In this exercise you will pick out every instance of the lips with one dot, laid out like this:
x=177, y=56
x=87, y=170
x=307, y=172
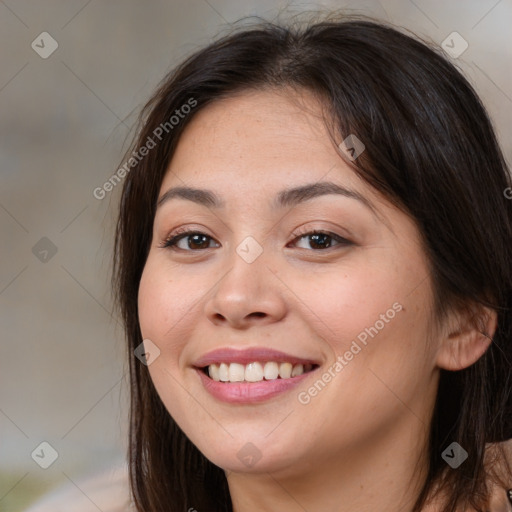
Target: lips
x=249, y=376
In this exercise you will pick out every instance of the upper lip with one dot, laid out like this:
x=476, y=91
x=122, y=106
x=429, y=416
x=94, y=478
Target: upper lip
x=249, y=355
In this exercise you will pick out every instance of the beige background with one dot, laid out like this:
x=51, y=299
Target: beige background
x=64, y=121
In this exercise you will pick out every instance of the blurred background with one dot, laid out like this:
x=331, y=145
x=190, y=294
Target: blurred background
x=73, y=76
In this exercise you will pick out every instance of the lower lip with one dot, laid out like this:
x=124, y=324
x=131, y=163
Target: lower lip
x=249, y=392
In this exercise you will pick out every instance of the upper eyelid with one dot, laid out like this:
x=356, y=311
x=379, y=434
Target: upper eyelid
x=297, y=233
x=301, y=231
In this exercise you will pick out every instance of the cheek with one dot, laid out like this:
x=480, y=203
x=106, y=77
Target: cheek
x=166, y=305
x=374, y=325
x=162, y=304
x=344, y=304
x=375, y=314
x=153, y=304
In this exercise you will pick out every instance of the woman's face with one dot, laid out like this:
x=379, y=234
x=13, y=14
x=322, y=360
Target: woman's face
x=349, y=306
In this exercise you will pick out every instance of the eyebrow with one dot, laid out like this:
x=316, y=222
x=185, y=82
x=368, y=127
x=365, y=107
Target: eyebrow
x=285, y=198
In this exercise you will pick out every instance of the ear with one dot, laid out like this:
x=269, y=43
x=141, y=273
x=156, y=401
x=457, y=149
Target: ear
x=465, y=338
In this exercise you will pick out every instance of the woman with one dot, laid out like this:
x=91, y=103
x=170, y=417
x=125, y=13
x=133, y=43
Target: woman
x=313, y=266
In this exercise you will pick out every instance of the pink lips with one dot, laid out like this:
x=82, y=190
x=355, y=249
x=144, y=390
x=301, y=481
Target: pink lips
x=249, y=392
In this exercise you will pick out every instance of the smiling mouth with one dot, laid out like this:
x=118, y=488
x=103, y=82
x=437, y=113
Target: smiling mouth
x=256, y=371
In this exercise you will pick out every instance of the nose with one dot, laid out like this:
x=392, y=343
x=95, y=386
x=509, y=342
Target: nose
x=248, y=294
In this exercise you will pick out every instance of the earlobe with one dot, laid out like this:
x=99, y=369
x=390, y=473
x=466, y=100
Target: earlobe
x=463, y=346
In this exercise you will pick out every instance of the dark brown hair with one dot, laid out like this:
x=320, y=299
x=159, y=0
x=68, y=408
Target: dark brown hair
x=430, y=150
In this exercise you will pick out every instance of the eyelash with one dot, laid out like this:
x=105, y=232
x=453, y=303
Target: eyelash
x=170, y=243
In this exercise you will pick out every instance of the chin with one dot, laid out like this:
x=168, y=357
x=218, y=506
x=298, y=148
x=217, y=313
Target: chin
x=253, y=457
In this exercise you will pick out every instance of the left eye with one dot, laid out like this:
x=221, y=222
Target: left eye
x=323, y=240
x=319, y=240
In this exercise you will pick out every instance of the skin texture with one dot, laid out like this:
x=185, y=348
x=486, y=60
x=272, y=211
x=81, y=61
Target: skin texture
x=356, y=444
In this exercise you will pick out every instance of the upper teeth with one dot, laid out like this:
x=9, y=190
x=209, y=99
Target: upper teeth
x=255, y=372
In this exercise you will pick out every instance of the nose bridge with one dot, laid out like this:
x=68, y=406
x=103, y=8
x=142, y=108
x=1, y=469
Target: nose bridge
x=248, y=290
x=248, y=275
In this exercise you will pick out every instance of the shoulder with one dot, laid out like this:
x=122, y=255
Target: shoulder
x=107, y=491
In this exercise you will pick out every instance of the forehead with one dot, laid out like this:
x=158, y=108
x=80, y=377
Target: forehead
x=271, y=108
x=259, y=138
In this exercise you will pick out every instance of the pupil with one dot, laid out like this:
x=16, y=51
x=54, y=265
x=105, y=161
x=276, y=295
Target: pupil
x=193, y=240
x=316, y=236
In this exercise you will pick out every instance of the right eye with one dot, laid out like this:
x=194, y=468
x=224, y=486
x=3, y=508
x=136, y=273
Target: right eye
x=194, y=238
